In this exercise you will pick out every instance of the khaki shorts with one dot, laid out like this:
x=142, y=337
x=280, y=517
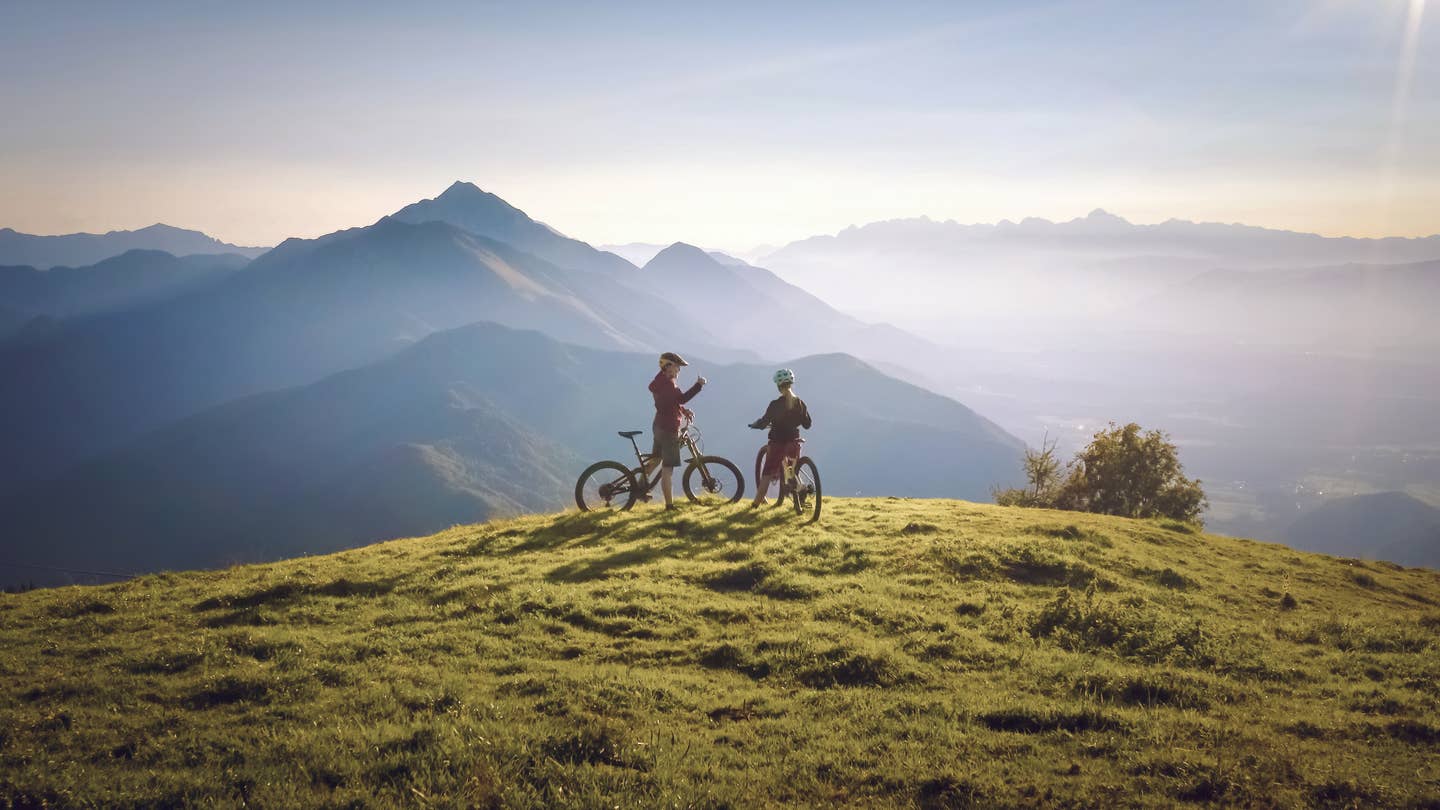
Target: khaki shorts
x=667, y=447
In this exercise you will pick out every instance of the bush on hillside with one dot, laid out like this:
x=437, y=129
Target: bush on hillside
x=1123, y=471
x=1042, y=471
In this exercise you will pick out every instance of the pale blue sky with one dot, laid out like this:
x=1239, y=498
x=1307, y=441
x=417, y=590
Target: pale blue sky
x=728, y=126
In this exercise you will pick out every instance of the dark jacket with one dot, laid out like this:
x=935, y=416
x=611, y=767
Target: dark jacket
x=668, y=399
x=785, y=423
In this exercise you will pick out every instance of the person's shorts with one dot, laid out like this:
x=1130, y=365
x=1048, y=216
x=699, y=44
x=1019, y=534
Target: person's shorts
x=777, y=452
x=667, y=447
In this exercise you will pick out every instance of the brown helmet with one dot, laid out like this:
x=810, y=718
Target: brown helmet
x=672, y=357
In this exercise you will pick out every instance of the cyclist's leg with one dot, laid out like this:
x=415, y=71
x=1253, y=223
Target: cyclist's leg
x=667, y=447
x=651, y=462
x=762, y=488
x=773, y=469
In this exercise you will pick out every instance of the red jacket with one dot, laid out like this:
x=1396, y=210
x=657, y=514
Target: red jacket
x=668, y=399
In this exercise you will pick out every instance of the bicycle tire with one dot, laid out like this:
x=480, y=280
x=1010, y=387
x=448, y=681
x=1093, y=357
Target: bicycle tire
x=696, y=490
x=622, y=496
x=760, y=462
x=806, y=494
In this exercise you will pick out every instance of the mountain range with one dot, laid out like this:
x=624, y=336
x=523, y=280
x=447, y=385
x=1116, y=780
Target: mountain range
x=306, y=309
x=311, y=307
x=1099, y=273
x=130, y=279
x=468, y=424
x=82, y=249
x=155, y=413
x=1104, y=233
x=199, y=410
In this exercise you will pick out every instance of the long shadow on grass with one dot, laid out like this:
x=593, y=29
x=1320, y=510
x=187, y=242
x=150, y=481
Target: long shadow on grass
x=588, y=570
x=289, y=592
x=671, y=537
x=560, y=531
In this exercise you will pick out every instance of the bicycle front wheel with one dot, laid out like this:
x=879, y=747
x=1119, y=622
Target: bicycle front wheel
x=605, y=485
x=712, y=480
x=760, y=462
x=806, y=493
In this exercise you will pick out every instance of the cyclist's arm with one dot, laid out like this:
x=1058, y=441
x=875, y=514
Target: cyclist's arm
x=689, y=395
x=804, y=416
x=767, y=420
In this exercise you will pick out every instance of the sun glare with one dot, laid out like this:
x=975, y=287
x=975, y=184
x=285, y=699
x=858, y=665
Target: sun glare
x=1400, y=102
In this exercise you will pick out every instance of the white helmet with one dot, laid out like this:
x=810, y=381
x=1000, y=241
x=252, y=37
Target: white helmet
x=784, y=377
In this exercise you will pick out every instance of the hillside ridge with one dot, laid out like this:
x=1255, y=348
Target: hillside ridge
x=934, y=653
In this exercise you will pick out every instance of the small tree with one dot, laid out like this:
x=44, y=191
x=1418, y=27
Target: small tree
x=1122, y=472
x=1042, y=473
x=1132, y=474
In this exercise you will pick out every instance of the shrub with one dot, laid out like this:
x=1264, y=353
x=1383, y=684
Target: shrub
x=1123, y=471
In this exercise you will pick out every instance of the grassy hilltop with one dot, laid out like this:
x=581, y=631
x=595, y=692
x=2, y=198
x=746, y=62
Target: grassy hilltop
x=924, y=653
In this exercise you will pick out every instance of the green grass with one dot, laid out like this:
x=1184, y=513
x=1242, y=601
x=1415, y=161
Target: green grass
x=902, y=652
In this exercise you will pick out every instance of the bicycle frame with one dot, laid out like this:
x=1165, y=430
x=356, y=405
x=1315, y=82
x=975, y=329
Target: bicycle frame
x=787, y=470
x=643, y=478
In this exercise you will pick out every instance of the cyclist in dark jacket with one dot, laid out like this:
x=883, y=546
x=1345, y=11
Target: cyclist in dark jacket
x=784, y=416
x=669, y=408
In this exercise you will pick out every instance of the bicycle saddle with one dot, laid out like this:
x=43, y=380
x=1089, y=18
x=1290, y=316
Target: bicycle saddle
x=625, y=434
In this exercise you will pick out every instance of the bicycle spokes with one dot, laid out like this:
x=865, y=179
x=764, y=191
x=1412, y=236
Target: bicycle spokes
x=711, y=480
x=605, y=485
x=806, y=493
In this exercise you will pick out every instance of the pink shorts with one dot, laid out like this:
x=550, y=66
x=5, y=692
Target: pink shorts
x=777, y=452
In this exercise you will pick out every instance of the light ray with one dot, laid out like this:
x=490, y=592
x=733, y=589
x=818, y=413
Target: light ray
x=1400, y=103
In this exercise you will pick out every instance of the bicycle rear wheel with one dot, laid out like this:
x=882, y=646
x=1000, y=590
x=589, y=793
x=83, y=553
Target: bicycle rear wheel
x=806, y=493
x=712, y=480
x=780, y=495
x=605, y=485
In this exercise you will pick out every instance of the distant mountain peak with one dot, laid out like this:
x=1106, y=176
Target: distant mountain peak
x=161, y=227
x=462, y=189
x=681, y=254
x=1101, y=215
x=468, y=207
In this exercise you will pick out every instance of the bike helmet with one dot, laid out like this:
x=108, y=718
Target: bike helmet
x=672, y=357
x=784, y=377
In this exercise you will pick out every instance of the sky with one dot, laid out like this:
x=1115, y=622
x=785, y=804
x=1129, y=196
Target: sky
x=730, y=125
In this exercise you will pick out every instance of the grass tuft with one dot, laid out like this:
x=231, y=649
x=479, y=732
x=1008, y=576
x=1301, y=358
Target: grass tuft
x=1044, y=721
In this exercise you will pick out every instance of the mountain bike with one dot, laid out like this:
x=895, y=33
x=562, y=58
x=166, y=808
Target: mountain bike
x=799, y=481
x=707, y=480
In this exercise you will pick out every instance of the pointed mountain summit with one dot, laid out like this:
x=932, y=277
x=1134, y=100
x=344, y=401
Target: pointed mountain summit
x=1101, y=216
x=470, y=208
x=1100, y=221
x=681, y=256
x=742, y=303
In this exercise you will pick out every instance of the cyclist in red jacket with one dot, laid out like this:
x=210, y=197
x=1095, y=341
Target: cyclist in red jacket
x=669, y=408
x=784, y=416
